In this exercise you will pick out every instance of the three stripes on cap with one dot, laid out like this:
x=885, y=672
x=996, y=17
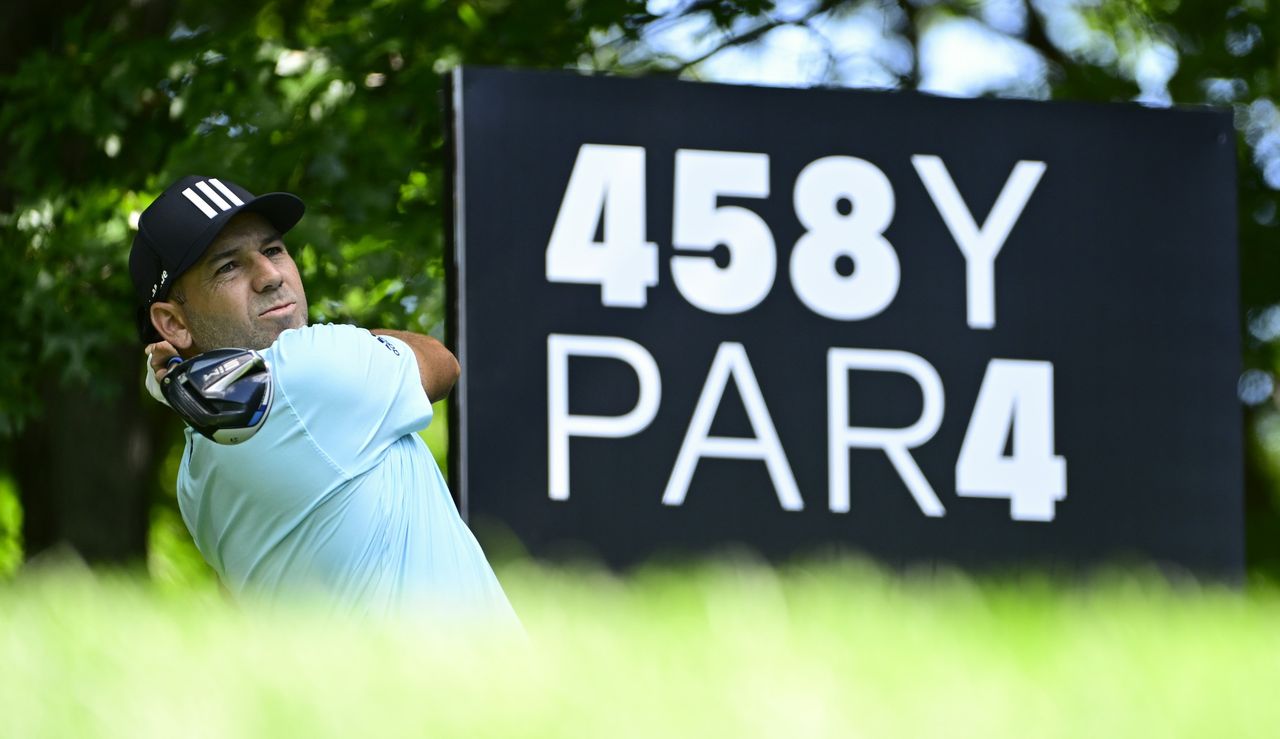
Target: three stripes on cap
x=214, y=197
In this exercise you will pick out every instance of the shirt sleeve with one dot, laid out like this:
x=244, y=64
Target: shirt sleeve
x=353, y=392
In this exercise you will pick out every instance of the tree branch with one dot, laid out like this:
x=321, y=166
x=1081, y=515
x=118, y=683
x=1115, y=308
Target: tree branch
x=1038, y=39
x=756, y=33
x=912, y=33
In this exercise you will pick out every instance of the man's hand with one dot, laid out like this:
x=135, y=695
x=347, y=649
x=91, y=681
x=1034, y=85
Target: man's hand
x=437, y=366
x=158, y=356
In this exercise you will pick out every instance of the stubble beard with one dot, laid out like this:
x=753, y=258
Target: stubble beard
x=208, y=334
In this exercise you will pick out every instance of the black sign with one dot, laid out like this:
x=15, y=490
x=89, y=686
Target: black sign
x=990, y=333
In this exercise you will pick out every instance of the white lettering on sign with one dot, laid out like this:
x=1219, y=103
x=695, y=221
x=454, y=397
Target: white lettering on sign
x=561, y=424
x=980, y=245
x=1016, y=399
x=858, y=236
x=731, y=361
x=842, y=267
x=844, y=203
x=699, y=224
x=895, y=442
x=607, y=184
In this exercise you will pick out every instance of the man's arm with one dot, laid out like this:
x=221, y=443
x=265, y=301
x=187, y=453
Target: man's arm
x=436, y=365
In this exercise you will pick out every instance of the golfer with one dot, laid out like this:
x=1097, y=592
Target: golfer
x=335, y=496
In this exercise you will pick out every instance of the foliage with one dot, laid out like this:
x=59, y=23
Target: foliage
x=10, y=530
x=173, y=562
x=826, y=649
x=436, y=436
x=338, y=101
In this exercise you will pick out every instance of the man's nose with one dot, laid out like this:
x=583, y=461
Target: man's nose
x=266, y=274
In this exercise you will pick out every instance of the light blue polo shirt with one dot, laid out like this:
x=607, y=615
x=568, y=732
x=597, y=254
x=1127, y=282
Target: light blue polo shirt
x=336, y=494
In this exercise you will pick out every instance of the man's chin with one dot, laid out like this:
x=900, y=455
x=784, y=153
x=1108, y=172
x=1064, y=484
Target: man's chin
x=276, y=327
x=258, y=334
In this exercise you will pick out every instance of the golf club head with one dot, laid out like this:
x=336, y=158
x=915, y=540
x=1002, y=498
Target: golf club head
x=224, y=394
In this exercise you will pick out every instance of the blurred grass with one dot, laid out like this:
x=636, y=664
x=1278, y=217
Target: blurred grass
x=833, y=649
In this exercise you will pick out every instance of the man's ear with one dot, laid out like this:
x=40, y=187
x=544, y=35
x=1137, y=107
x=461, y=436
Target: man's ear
x=171, y=322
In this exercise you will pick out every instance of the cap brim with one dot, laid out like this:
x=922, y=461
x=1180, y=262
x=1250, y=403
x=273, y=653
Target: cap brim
x=283, y=209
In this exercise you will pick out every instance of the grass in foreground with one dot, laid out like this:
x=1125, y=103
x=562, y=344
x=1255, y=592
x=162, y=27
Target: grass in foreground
x=836, y=649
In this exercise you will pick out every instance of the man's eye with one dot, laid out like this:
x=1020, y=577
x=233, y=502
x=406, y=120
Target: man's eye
x=272, y=251
x=226, y=268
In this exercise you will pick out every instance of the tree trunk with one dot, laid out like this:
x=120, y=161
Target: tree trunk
x=87, y=470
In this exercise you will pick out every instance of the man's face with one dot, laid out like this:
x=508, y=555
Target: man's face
x=244, y=291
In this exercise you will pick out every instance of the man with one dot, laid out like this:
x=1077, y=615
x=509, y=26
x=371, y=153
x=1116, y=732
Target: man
x=335, y=494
